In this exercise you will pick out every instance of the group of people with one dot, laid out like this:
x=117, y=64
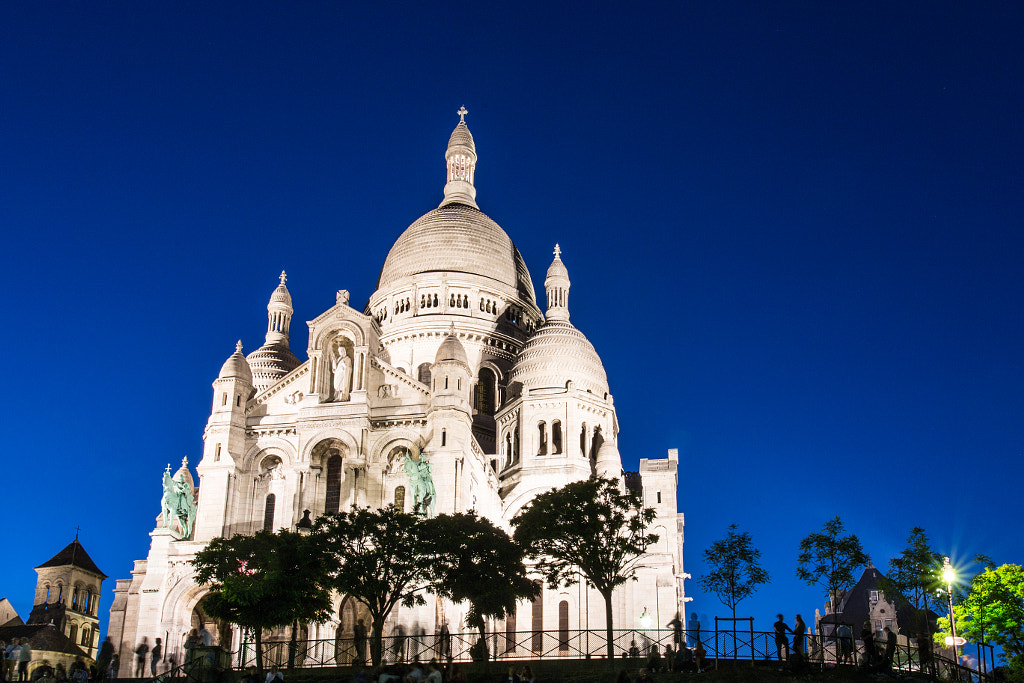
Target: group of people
x=431, y=672
x=17, y=656
x=681, y=659
x=870, y=658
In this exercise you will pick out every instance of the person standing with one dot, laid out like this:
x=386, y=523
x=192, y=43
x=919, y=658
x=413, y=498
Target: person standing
x=24, y=658
x=799, y=629
x=11, y=659
x=890, y=647
x=140, y=657
x=359, y=640
x=677, y=629
x=781, y=640
x=868, y=638
x=845, y=634
x=154, y=656
x=692, y=630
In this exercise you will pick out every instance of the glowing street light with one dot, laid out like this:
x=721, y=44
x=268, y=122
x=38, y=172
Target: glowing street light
x=645, y=620
x=948, y=575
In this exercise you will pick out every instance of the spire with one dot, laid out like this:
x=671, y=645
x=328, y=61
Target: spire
x=279, y=313
x=461, y=161
x=556, y=284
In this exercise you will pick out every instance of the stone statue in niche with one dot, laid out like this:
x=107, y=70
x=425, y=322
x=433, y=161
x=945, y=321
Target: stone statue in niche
x=386, y=391
x=342, y=367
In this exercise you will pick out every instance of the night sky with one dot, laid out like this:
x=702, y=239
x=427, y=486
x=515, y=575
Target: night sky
x=793, y=230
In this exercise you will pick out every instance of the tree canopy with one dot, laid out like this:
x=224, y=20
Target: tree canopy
x=993, y=610
x=264, y=581
x=476, y=562
x=378, y=557
x=914, y=575
x=829, y=559
x=735, y=572
x=592, y=526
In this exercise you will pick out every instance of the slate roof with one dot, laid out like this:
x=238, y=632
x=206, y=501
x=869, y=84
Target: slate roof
x=855, y=605
x=74, y=555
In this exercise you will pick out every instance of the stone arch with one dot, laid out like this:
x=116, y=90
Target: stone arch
x=275, y=446
x=399, y=437
x=311, y=445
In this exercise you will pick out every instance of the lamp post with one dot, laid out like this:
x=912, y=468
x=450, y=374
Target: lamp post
x=948, y=575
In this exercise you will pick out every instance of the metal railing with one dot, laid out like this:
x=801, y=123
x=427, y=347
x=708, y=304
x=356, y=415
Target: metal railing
x=631, y=644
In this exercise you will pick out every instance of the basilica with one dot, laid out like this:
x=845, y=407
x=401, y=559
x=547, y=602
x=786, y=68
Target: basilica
x=453, y=360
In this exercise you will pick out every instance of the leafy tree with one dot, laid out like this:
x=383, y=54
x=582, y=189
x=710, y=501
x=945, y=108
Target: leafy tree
x=914, y=577
x=264, y=581
x=591, y=526
x=476, y=562
x=828, y=558
x=378, y=557
x=735, y=572
x=993, y=611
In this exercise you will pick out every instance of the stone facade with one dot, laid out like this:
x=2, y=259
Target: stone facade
x=452, y=359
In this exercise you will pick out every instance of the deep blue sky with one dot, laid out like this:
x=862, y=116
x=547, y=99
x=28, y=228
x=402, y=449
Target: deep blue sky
x=793, y=230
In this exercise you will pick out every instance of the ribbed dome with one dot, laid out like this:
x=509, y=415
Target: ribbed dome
x=461, y=137
x=457, y=239
x=236, y=367
x=281, y=295
x=555, y=354
x=451, y=349
x=270, y=363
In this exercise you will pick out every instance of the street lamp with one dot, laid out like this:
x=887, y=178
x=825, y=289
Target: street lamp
x=305, y=525
x=948, y=575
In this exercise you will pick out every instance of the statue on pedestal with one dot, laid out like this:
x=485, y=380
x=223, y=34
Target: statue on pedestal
x=422, y=483
x=179, y=500
x=342, y=367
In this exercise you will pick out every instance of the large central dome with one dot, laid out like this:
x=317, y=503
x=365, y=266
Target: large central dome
x=457, y=238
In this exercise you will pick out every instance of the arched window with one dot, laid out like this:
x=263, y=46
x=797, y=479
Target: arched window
x=483, y=401
x=224, y=399
x=444, y=437
x=451, y=301
x=435, y=300
x=563, y=627
x=423, y=373
x=400, y=498
x=465, y=301
x=508, y=449
x=238, y=400
x=86, y=636
x=333, y=502
x=538, y=621
x=446, y=381
x=596, y=442
x=74, y=599
x=542, y=439
x=556, y=437
x=583, y=440
x=268, y=512
x=47, y=593
x=73, y=633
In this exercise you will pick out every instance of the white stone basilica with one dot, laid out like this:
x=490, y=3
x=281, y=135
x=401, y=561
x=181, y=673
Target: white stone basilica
x=451, y=358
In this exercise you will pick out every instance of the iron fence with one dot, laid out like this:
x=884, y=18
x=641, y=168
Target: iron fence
x=635, y=645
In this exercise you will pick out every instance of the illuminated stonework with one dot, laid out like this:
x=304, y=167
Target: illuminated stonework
x=451, y=358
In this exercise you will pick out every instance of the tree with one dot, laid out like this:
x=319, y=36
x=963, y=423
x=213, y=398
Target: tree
x=829, y=559
x=588, y=525
x=264, y=581
x=735, y=572
x=378, y=557
x=993, y=611
x=476, y=562
x=914, y=577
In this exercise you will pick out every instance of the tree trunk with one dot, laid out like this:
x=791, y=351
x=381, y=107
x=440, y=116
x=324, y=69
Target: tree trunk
x=608, y=626
x=259, y=652
x=376, y=640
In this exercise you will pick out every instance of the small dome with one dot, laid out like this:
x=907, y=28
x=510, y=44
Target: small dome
x=281, y=295
x=451, y=349
x=609, y=463
x=461, y=137
x=556, y=354
x=236, y=367
x=270, y=363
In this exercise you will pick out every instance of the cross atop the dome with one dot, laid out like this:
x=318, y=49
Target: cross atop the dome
x=558, y=251
x=462, y=114
x=283, y=277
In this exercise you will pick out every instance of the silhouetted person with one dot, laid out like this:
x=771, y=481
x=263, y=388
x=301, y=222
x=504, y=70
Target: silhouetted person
x=799, y=629
x=890, y=647
x=781, y=641
x=677, y=629
x=868, y=638
x=845, y=634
